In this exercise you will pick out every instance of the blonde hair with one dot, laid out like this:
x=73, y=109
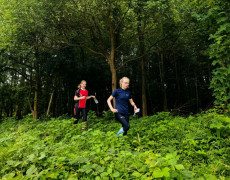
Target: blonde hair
x=79, y=85
x=122, y=79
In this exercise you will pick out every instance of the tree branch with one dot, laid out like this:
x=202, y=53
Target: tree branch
x=10, y=68
x=134, y=59
x=122, y=18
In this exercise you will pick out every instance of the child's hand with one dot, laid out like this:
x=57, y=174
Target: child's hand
x=114, y=110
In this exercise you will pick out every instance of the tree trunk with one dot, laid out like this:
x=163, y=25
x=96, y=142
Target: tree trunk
x=31, y=109
x=21, y=103
x=50, y=102
x=142, y=52
x=111, y=60
x=11, y=110
x=197, y=96
x=144, y=99
x=19, y=111
x=35, y=110
x=7, y=112
x=165, y=106
x=114, y=77
x=178, y=82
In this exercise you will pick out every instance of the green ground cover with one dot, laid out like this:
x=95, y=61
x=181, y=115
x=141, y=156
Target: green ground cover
x=160, y=146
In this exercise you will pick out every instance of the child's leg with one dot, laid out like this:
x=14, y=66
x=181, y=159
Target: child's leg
x=77, y=115
x=127, y=120
x=84, y=114
x=122, y=118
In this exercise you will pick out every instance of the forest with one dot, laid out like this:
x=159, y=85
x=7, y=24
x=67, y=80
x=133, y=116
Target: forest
x=176, y=54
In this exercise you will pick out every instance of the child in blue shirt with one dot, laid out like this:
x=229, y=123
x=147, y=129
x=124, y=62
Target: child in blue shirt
x=122, y=96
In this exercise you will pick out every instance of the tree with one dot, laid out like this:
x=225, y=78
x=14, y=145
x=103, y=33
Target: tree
x=220, y=53
x=98, y=26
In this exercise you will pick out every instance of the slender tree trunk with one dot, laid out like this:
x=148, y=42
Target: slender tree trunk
x=69, y=103
x=7, y=112
x=31, y=87
x=21, y=103
x=57, y=102
x=31, y=109
x=114, y=77
x=35, y=110
x=50, y=102
x=163, y=82
x=165, y=103
x=197, y=97
x=19, y=111
x=142, y=51
x=111, y=60
x=144, y=99
x=54, y=105
x=178, y=82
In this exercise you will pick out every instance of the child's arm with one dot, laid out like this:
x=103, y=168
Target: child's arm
x=76, y=98
x=133, y=104
x=88, y=97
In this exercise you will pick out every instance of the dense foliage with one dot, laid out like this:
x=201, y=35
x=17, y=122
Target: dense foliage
x=176, y=53
x=160, y=146
x=220, y=53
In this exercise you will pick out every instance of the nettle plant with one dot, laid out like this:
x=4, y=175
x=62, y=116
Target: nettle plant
x=156, y=147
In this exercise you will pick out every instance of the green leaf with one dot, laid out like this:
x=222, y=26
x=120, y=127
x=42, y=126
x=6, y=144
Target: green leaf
x=210, y=177
x=9, y=176
x=104, y=174
x=17, y=163
x=87, y=167
x=157, y=173
x=218, y=125
x=11, y=162
x=43, y=155
x=136, y=174
x=31, y=157
x=166, y=172
x=82, y=160
x=179, y=166
x=215, y=62
x=116, y=174
x=109, y=170
x=100, y=169
x=31, y=170
x=52, y=175
x=222, y=19
x=172, y=162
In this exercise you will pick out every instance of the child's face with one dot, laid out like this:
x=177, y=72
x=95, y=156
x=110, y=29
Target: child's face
x=83, y=85
x=125, y=84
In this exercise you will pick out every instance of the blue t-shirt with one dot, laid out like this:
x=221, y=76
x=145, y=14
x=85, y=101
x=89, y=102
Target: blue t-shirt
x=122, y=100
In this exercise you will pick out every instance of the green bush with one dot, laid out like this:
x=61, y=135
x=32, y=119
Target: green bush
x=108, y=115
